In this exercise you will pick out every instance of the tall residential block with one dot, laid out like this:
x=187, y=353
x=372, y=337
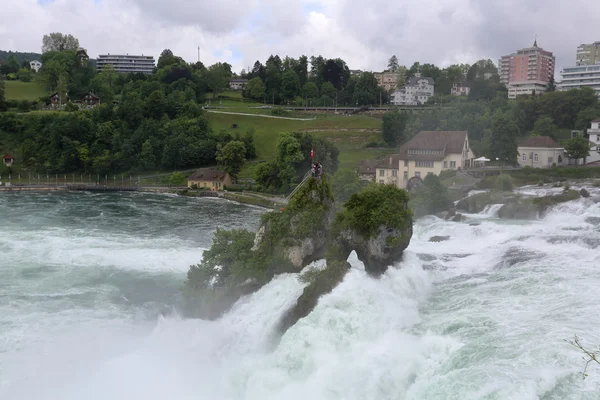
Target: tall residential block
x=586, y=72
x=588, y=54
x=126, y=64
x=527, y=71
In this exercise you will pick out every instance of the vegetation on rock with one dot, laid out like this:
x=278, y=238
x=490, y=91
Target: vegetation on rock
x=430, y=198
x=376, y=206
x=503, y=183
x=376, y=222
x=292, y=161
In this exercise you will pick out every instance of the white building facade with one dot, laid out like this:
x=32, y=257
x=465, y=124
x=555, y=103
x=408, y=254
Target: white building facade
x=417, y=91
x=460, y=89
x=35, y=65
x=529, y=88
x=126, y=64
x=580, y=76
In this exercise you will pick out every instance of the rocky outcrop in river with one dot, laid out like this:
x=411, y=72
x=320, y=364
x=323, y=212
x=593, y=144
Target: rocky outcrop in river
x=376, y=223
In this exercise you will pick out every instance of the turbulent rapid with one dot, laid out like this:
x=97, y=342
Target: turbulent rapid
x=87, y=282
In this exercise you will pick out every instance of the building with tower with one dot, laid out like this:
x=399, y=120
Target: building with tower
x=528, y=71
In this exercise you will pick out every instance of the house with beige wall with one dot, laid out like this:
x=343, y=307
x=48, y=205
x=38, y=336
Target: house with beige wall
x=210, y=179
x=540, y=152
x=428, y=152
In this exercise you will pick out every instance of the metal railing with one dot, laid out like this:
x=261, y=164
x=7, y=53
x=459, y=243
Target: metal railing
x=306, y=176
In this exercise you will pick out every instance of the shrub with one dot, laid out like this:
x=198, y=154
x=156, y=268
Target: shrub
x=377, y=205
x=503, y=183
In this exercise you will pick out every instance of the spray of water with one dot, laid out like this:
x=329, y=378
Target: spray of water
x=482, y=315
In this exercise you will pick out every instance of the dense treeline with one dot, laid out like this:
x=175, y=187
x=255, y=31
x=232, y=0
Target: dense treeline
x=326, y=83
x=495, y=126
x=145, y=122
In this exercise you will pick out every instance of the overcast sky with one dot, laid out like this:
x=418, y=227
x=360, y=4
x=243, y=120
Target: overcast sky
x=365, y=33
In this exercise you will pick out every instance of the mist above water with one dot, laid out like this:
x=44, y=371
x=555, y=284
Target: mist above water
x=482, y=315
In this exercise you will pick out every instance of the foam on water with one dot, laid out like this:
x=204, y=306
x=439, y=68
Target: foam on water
x=482, y=315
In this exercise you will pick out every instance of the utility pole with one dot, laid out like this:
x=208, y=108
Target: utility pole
x=198, y=53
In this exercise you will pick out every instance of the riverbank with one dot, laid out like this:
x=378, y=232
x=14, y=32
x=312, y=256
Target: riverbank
x=273, y=203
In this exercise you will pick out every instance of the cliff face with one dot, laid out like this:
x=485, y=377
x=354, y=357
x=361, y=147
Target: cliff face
x=375, y=222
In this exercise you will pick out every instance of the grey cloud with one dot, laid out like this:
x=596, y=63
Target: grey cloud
x=363, y=32
x=220, y=16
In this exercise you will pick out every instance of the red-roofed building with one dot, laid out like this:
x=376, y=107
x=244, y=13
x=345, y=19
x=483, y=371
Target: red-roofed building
x=540, y=152
x=428, y=152
x=8, y=159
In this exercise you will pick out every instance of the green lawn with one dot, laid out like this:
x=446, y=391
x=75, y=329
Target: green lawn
x=17, y=90
x=350, y=143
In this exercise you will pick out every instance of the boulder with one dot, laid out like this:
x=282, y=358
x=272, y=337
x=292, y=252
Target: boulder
x=458, y=217
x=533, y=208
x=516, y=210
x=379, y=251
x=584, y=193
x=478, y=202
x=437, y=239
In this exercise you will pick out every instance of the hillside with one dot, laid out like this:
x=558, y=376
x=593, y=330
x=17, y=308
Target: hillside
x=20, y=57
x=17, y=90
x=349, y=134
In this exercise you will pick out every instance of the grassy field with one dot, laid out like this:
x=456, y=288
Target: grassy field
x=349, y=134
x=17, y=90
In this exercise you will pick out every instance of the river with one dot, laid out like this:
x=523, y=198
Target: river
x=87, y=280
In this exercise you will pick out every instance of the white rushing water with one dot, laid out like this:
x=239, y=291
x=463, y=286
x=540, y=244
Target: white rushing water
x=480, y=316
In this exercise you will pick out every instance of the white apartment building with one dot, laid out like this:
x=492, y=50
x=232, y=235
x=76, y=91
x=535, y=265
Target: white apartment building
x=580, y=76
x=530, y=88
x=594, y=137
x=126, y=64
x=588, y=54
x=417, y=91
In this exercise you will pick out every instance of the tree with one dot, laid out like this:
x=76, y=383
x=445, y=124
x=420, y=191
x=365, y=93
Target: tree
x=146, y=158
x=61, y=87
x=401, y=72
x=345, y=183
x=57, y=41
x=156, y=105
x=166, y=58
x=504, y=139
x=25, y=75
x=310, y=91
x=2, y=94
x=290, y=85
x=232, y=157
x=577, y=148
x=551, y=85
x=431, y=197
x=393, y=64
x=545, y=126
x=218, y=76
x=255, y=89
x=394, y=126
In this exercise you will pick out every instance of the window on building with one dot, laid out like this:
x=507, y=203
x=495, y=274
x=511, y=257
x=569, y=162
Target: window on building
x=405, y=175
x=535, y=157
x=445, y=164
x=424, y=164
x=406, y=163
x=452, y=164
x=418, y=174
x=381, y=181
x=381, y=172
x=524, y=157
x=394, y=172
